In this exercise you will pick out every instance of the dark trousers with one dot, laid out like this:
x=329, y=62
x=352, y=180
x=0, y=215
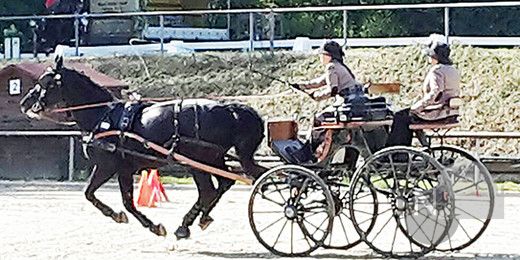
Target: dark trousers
x=400, y=133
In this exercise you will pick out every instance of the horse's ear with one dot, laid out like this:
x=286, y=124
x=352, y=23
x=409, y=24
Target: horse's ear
x=58, y=57
x=59, y=62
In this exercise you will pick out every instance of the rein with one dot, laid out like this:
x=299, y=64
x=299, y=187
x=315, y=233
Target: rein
x=96, y=105
x=81, y=107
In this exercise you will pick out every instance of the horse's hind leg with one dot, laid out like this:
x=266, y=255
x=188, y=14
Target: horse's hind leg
x=207, y=193
x=127, y=191
x=100, y=175
x=246, y=148
x=224, y=185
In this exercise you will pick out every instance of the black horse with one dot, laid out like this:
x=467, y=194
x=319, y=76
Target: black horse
x=222, y=125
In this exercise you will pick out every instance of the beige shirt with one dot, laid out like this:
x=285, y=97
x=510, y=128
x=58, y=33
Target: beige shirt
x=440, y=85
x=335, y=76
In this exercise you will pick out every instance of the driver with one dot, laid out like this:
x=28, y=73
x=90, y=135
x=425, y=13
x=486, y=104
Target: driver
x=442, y=84
x=336, y=81
x=337, y=77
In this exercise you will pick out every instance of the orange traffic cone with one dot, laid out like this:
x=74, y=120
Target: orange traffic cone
x=150, y=189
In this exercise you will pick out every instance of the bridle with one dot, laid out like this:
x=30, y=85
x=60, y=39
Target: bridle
x=40, y=104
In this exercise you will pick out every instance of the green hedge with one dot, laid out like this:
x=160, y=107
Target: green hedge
x=490, y=21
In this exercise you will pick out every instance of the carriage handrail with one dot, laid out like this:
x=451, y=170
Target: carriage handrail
x=480, y=134
x=451, y=134
x=269, y=10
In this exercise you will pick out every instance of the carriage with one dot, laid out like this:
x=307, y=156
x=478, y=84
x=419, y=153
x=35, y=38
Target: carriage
x=400, y=201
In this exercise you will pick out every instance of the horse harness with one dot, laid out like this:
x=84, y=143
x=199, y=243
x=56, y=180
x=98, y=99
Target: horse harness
x=120, y=119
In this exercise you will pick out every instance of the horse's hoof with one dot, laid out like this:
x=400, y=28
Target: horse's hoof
x=158, y=230
x=204, y=222
x=182, y=232
x=120, y=217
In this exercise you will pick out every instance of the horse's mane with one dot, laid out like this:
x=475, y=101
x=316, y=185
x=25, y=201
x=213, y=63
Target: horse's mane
x=79, y=79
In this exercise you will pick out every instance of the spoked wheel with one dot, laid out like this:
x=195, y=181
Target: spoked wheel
x=474, y=196
x=343, y=234
x=290, y=210
x=414, y=201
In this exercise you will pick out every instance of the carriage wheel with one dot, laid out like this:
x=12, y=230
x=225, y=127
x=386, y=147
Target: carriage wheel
x=290, y=210
x=414, y=199
x=474, y=196
x=343, y=234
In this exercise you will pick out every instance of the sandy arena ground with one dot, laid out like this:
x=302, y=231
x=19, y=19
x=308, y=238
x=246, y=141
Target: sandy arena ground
x=55, y=221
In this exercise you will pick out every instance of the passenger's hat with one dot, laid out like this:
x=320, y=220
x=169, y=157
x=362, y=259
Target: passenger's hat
x=439, y=51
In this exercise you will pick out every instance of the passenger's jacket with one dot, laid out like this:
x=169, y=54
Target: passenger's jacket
x=335, y=76
x=440, y=86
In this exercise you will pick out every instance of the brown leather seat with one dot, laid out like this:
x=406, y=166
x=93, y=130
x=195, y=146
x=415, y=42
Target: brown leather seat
x=447, y=123
x=432, y=126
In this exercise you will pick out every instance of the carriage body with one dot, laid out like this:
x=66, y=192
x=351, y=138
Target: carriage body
x=358, y=183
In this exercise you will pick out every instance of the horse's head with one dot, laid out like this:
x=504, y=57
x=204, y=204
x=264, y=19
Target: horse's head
x=47, y=92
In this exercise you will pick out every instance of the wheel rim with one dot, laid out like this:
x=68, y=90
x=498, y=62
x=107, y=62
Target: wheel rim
x=397, y=176
x=290, y=211
x=474, y=196
x=343, y=234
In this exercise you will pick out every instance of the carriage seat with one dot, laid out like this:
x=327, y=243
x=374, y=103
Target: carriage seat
x=436, y=125
x=293, y=151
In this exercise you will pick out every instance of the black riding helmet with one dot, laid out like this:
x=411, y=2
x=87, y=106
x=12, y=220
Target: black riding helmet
x=439, y=51
x=333, y=49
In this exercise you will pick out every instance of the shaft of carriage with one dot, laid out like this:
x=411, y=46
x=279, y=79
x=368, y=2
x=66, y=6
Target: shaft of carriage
x=177, y=157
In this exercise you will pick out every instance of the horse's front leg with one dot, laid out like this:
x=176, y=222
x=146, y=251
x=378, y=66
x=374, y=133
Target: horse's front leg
x=127, y=191
x=100, y=175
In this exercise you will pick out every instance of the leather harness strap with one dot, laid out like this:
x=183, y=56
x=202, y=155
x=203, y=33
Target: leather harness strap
x=178, y=157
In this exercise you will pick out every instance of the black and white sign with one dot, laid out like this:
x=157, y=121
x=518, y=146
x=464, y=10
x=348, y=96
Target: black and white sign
x=15, y=87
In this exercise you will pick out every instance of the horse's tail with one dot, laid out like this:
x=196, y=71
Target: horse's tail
x=248, y=135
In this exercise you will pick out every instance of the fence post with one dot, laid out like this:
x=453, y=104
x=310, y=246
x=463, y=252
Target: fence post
x=271, y=31
x=229, y=20
x=251, y=32
x=345, y=28
x=34, y=27
x=71, y=158
x=76, y=33
x=447, y=23
x=161, y=22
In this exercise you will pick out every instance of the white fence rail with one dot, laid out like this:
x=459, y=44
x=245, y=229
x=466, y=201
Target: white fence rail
x=252, y=44
x=176, y=47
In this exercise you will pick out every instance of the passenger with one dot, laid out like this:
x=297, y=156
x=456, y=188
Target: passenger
x=442, y=84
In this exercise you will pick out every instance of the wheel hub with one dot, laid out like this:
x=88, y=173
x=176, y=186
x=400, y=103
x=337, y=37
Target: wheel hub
x=290, y=212
x=400, y=203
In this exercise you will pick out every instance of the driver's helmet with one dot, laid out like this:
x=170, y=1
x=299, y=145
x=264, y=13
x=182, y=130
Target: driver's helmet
x=333, y=49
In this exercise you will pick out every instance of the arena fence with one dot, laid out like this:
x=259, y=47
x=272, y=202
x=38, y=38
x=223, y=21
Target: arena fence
x=271, y=44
